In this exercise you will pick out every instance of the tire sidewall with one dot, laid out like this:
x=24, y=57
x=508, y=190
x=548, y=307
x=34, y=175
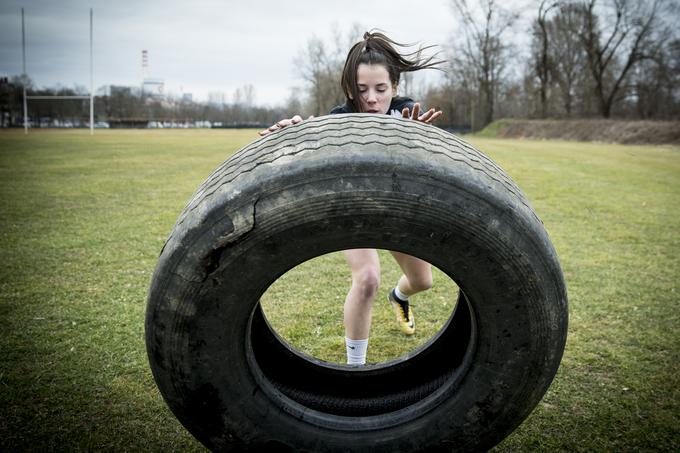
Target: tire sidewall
x=488, y=243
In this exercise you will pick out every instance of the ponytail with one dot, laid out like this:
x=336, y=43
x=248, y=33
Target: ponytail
x=378, y=49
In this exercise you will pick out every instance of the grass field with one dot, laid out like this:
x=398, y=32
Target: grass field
x=83, y=219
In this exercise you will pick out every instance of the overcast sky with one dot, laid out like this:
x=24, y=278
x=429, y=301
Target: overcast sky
x=200, y=46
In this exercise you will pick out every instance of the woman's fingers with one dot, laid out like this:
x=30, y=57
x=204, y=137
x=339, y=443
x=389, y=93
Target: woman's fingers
x=416, y=111
x=426, y=116
x=430, y=116
x=281, y=124
x=436, y=115
x=270, y=129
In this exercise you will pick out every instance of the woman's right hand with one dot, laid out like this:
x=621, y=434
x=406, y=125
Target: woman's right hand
x=427, y=117
x=282, y=123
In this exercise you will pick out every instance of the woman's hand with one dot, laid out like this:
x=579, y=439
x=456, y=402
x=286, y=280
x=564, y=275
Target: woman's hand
x=427, y=117
x=283, y=123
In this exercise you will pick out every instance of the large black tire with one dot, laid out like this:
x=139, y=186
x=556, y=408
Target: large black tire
x=340, y=182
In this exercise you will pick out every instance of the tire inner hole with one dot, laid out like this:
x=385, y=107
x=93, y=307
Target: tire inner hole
x=297, y=338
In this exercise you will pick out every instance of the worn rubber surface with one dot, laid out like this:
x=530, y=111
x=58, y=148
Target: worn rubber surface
x=339, y=182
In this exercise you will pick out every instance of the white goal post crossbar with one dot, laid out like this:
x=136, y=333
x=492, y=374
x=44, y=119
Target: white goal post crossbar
x=47, y=98
x=55, y=97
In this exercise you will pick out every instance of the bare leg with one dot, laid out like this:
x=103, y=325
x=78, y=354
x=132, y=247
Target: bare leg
x=365, y=267
x=417, y=274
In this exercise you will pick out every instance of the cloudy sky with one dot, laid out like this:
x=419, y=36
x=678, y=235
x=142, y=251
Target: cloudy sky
x=200, y=46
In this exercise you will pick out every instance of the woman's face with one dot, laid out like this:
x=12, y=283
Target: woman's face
x=375, y=88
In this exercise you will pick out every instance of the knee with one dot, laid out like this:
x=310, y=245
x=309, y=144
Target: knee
x=367, y=283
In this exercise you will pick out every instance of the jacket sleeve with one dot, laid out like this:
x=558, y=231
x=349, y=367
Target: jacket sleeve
x=339, y=109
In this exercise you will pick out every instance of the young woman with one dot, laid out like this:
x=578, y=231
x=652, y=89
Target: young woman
x=370, y=79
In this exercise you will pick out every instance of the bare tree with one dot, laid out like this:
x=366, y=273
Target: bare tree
x=481, y=58
x=293, y=105
x=655, y=84
x=320, y=65
x=407, y=84
x=321, y=69
x=614, y=46
x=567, y=53
x=542, y=58
x=249, y=95
x=244, y=96
x=217, y=99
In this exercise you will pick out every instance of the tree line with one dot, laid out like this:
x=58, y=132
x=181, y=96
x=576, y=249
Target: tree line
x=594, y=58
x=552, y=59
x=125, y=106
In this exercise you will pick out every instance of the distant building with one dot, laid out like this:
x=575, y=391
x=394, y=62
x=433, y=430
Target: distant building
x=187, y=97
x=154, y=88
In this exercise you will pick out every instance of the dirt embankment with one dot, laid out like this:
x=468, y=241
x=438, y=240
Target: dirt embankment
x=593, y=130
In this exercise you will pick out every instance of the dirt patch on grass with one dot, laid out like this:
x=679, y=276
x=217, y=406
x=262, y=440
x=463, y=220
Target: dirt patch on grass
x=592, y=130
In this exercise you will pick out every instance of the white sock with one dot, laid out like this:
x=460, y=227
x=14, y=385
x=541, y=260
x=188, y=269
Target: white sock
x=399, y=294
x=356, y=351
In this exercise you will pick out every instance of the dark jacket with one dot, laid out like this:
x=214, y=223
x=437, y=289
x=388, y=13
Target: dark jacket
x=396, y=106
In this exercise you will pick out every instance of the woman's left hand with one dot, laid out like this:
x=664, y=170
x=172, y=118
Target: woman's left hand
x=427, y=117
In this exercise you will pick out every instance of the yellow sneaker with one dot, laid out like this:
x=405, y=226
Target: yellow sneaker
x=405, y=318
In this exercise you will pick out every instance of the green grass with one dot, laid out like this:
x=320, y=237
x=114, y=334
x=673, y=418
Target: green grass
x=83, y=219
x=305, y=307
x=492, y=129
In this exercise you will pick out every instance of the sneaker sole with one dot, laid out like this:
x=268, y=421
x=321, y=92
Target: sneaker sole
x=403, y=326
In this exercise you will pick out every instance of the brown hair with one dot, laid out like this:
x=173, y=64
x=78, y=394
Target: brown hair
x=376, y=48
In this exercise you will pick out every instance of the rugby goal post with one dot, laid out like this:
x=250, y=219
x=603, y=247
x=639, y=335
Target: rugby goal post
x=55, y=97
